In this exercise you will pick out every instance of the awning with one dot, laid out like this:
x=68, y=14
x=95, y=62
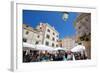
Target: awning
x=28, y=45
x=59, y=48
x=44, y=47
x=78, y=48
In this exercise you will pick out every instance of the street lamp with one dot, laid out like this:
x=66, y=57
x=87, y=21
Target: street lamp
x=65, y=16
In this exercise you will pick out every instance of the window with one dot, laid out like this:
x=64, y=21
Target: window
x=26, y=25
x=24, y=40
x=47, y=36
x=27, y=32
x=53, y=39
x=40, y=27
x=60, y=45
x=87, y=39
x=57, y=35
x=56, y=45
x=52, y=44
x=60, y=41
x=57, y=41
x=47, y=43
x=48, y=30
x=38, y=36
x=53, y=33
x=79, y=27
x=36, y=42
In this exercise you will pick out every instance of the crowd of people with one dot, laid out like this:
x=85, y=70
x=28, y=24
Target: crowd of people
x=80, y=56
x=60, y=55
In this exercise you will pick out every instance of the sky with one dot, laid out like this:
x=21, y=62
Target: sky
x=53, y=18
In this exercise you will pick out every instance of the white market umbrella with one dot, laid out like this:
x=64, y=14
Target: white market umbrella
x=78, y=48
x=28, y=45
x=44, y=47
x=59, y=48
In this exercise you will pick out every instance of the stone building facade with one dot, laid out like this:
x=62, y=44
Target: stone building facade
x=83, y=28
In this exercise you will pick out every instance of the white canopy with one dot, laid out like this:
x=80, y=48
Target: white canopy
x=78, y=48
x=28, y=45
x=38, y=47
x=59, y=48
x=44, y=47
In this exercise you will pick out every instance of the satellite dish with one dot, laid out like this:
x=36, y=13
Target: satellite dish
x=65, y=16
